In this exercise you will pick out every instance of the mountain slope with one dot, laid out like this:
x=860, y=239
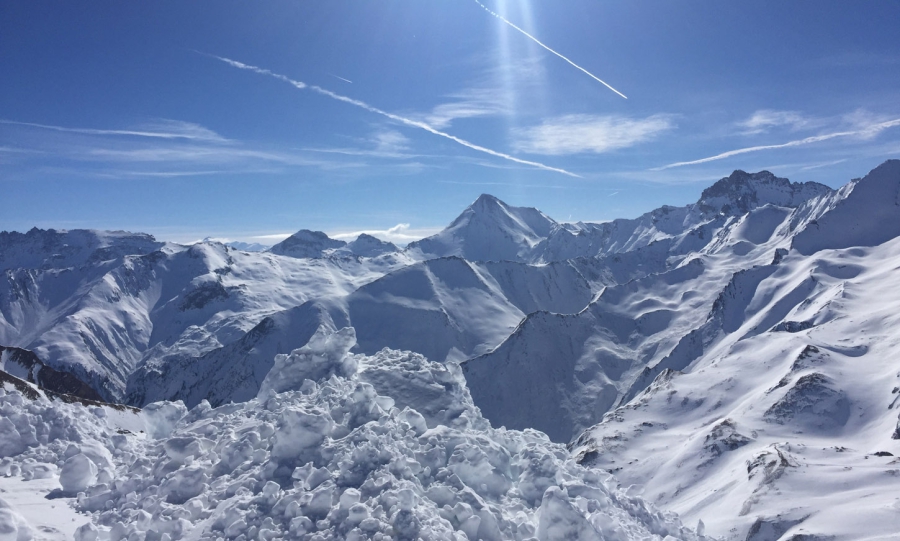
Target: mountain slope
x=449, y=306
x=796, y=404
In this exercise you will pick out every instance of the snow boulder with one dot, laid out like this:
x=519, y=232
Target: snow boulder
x=11, y=443
x=13, y=527
x=78, y=473
x=325, y=354
x=160, y=418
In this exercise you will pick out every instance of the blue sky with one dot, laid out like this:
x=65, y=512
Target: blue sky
x=392, y=115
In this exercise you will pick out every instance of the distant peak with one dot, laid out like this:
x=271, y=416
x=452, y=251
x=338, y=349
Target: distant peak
x=741, y=192
x=308, y=234
x=306, y=243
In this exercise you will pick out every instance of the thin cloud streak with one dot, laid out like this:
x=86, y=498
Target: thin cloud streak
x=400, y=234
x=534, y=39
x=397, y=118
x=187, y=131
x=869, y=131
x=820, y=165
x=341, y=78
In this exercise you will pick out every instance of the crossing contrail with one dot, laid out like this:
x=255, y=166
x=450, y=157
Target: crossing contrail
x=539, y=42
x=341, y=78
x=397, y=118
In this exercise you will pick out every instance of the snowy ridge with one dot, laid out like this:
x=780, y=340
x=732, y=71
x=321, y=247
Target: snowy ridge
x=357, y=453
x=102, y=321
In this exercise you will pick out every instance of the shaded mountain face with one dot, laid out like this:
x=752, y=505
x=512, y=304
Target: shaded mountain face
x=60, y=249
x=741, y=192
x=315, y=244
x=307, y=244
x=368, y=246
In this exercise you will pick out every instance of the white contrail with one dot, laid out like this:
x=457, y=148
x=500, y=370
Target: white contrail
x=867, y=131
x=539, y=42
x=341, y=78
x=397, y=118
x=198, y=133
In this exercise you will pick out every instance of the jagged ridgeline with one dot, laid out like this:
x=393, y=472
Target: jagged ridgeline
x=674, y=349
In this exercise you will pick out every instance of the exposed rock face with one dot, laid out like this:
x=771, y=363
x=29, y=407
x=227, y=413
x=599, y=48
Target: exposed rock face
x=742, y=192
x=25, y=365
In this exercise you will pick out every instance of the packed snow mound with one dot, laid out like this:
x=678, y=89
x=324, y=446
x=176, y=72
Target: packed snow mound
x=326, y=354
x=307, y=244
x=345, y=456
x=13, y=526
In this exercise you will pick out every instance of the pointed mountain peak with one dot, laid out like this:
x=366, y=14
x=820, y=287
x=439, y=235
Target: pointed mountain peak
x=489, y=230
x=486, y=199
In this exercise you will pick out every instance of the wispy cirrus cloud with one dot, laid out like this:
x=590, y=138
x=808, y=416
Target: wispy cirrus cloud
x=397, y=118
x=157, y=129
x=764, y=120
x=479, y=101
x=401, y=234
x=156, y=149
x=865, y=126
x=390, y=141
x=577, y=134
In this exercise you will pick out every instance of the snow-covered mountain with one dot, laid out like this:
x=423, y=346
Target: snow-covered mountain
x=306, y=243
x=316, y=244
x=488, y=230
x=740, y=333
x=102, y=318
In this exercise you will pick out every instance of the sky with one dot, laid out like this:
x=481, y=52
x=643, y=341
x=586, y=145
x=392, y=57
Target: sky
x=251, y=120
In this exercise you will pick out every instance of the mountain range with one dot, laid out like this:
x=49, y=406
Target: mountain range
x=733, y=359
